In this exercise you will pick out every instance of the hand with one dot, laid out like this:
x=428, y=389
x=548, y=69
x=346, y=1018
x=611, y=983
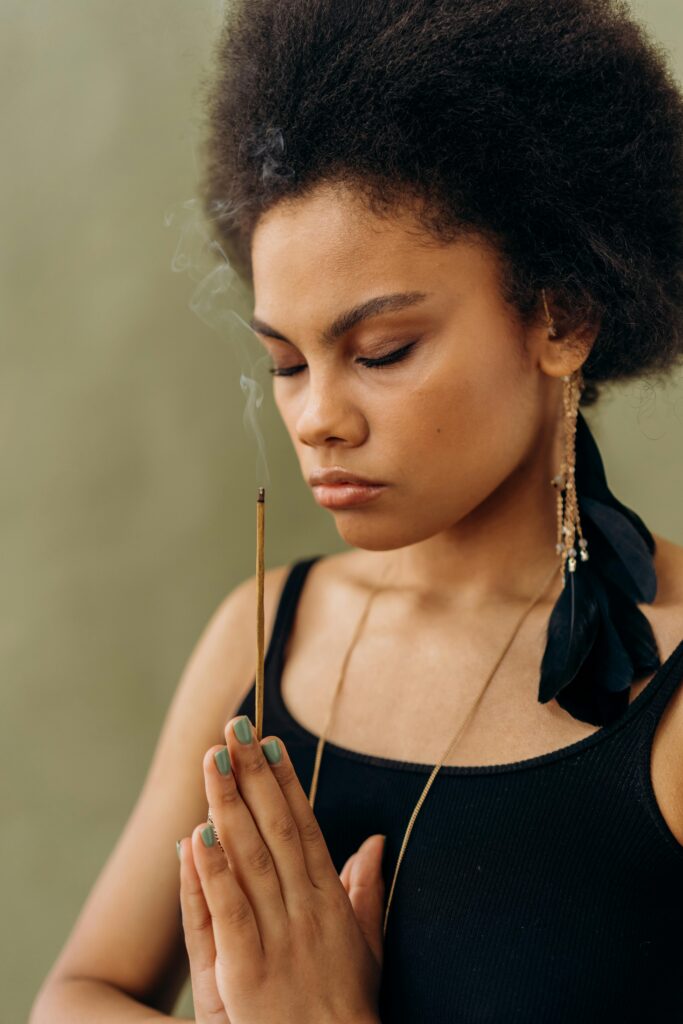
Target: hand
x=272, y=931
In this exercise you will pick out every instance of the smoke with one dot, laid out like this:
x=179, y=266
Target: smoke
x=214, y=300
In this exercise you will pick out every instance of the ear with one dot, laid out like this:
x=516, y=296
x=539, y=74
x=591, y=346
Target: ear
x=573, y=340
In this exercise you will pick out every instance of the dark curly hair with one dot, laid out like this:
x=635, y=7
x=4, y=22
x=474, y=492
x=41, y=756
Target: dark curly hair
x=554, y=130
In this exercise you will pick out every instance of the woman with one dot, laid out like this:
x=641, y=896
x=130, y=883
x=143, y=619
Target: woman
x=460, y=221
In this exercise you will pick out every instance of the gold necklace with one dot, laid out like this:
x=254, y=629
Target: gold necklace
x=437, y=766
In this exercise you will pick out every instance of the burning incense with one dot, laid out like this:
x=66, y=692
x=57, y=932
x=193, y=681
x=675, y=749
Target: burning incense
x=260, y=513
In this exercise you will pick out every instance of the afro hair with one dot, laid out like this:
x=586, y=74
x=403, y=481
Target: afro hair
x=553, y=129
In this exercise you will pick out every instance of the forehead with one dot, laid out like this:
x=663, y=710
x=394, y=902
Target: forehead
x=329, y=244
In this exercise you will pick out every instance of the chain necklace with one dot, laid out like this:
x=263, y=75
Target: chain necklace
x=437, y=766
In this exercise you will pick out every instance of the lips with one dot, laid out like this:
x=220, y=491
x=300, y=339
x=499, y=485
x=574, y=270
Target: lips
x=346, y=495
x=338, y=475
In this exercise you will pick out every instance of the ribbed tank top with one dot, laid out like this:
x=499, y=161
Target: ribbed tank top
x=542, y=891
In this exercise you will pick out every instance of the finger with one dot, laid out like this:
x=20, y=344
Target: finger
x=235, y=928
x=199, y=941
x=345, y=874
x=250, y=860
x=317, y=858
x=366, y=893
x=268, y=806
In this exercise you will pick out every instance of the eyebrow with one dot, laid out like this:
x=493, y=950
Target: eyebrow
x=346, y=321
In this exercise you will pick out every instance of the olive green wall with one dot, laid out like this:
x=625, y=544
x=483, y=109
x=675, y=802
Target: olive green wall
x=129, y=479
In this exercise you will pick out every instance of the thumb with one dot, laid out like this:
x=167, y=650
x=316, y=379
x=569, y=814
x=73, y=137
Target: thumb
x=363, y=880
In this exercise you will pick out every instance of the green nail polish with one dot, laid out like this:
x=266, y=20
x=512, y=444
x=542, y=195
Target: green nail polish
x=242, y=729
x=208, y=836
x=222, y=760
x=177, y=848
x=272, y=751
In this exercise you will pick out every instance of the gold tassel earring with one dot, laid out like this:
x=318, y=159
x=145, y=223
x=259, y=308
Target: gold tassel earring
x=568, y=519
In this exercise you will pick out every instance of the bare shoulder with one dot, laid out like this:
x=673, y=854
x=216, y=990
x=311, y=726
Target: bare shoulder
x=669, y=566
x=221, y=667
x=668, y=604
x=223, y=662
x=666, y=618
x=128, y=932
x=665, y=613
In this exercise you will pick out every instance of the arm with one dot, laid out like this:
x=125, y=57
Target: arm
x=82, y=1000
x=125, y=959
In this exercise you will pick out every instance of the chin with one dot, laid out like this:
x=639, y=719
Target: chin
x=378, y=533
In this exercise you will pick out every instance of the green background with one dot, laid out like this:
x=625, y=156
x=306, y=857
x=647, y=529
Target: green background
x=129, y=474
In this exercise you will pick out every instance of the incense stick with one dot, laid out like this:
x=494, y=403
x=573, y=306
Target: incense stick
x=260, y=516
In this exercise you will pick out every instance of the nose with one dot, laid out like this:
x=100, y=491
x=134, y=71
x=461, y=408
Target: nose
x=329, y=414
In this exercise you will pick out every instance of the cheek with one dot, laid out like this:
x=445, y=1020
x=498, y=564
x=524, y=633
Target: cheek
x=456, y=410
x=463, y=432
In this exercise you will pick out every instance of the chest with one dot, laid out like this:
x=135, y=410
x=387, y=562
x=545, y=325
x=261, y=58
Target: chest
x=516, y=890
x=408, y=694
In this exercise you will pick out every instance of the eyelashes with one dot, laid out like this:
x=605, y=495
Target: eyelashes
x=393, y=357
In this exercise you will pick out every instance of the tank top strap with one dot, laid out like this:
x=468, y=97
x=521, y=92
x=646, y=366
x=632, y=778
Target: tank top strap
x=284, y=616
x=662, y=687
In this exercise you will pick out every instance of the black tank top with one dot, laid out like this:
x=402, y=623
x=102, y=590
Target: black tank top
x=543, y=891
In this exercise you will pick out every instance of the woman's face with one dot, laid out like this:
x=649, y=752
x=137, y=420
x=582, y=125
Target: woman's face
x=468, y=406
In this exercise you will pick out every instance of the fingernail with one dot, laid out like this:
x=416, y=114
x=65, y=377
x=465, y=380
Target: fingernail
x=272, y=751
x=208, y=836
x=242, y=729
x=222, y=759
x=177, y=849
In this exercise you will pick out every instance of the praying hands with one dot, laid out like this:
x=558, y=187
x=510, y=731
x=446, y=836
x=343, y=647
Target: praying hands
x=272, y=931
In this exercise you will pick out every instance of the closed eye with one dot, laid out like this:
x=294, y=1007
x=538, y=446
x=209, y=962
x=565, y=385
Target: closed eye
x=393, y=357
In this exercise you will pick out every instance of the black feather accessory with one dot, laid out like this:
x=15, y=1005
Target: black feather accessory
x=599, y=641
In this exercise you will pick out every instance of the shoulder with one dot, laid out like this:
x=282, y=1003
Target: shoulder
x=137, y=894
x=665, y=613
x=333, y=587
x=219, y=670
x=221, y=666
x=666, y=617
x=328, y=584
x=668, y=561
x=669, y=566
x=233, y=625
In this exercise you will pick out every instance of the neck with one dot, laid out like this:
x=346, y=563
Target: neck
x=501, y=551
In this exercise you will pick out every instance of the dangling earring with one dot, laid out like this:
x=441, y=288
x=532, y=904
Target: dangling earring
x=598, y=640
x=568, y=519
